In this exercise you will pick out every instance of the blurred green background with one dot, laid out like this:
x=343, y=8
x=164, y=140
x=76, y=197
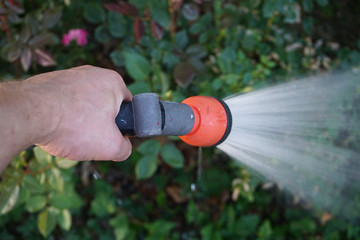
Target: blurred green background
x=175, y=48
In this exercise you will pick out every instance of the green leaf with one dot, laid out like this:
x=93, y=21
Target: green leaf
x=265, y=230
x=117, y=58
x=65, y=163
x=24, y=196
x=172, y=156
x=160, y=13
x=250, y=40
x=247, y=77
x=308, y=5
x=146, y=167
x=67, y=199
x=46, y=221
x=32, y=184
x=9, y=197
x=308, y=25
x=196, y=28
x=139, y=87
x=207, y=232
x=160, y=229
x=247, y=225
x=116, y=24
x=121, y=227
x=292, y=15
x=103, y=205
x=103, y=187
x=149, y=147
x=42, y=157
x=137, y=66
x=181, y=39
x=102, y=34
x=322, y=3
x=270, y=6
x=64, y=219
x=304, y=225
x=35, y=203
x=56, y=180
x=94, y=13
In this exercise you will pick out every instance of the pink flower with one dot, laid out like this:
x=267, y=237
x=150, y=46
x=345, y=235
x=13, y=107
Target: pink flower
x=75, y=34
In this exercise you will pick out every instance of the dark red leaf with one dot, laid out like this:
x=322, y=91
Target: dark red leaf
x=3, y=12
x=13, y=51
x=156, y=30
x=15, y=6
x=139, y=29
x=40, y=40
x=25, y=33
x=198, y=1
x=44, y=58
x=124, y=8
x=176, y=4
x=184, y=73
x=26, y=58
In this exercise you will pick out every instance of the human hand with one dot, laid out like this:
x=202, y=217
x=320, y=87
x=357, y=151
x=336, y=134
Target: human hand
x=80, y=106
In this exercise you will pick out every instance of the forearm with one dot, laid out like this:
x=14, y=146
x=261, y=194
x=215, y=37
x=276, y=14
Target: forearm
x=68, y=113
x=21, y=116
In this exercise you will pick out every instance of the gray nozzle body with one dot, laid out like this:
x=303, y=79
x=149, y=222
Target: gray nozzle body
x=153, y=117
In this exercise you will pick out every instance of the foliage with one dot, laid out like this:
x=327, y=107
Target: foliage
x=175, y=48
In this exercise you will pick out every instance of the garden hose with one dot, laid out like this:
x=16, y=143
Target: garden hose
x=199, y=120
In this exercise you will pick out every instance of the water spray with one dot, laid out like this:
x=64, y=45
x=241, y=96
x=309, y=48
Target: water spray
x=199, y=120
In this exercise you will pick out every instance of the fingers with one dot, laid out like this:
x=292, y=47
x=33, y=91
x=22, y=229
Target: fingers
x=127, y=94
x=113, y=146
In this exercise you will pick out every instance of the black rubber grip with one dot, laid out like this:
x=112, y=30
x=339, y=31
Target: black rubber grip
x=125, y=119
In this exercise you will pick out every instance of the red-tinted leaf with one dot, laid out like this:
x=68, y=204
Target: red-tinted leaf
x=124, y=8
x=184, y=73
x=26, y=58
x=40, y=40
x=156, y=30
x=13, y=52
x=25, y=33
x=190, y=11
x=139, y=29
x=15, y=6
x=176, y=4
x=52, y=17
x=198, y=1
x=44, y=58
x=3, y=12
x=14, y=18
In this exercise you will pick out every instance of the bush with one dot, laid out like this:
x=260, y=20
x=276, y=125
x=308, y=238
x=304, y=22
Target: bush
x=175, y=49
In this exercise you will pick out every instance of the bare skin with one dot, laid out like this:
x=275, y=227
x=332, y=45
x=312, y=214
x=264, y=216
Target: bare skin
x=68, y=113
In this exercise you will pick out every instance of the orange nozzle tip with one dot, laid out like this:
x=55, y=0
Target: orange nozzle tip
x=212, y=121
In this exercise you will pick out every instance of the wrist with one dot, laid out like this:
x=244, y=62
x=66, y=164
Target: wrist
x=25, y=110
x=40, y=112
x=13, y=121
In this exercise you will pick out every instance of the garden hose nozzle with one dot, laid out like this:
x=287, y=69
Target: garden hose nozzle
x=199, y=121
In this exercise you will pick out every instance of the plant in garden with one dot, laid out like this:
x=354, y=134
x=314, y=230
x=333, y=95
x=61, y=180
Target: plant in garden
x=44, y=186
x=29, y=42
